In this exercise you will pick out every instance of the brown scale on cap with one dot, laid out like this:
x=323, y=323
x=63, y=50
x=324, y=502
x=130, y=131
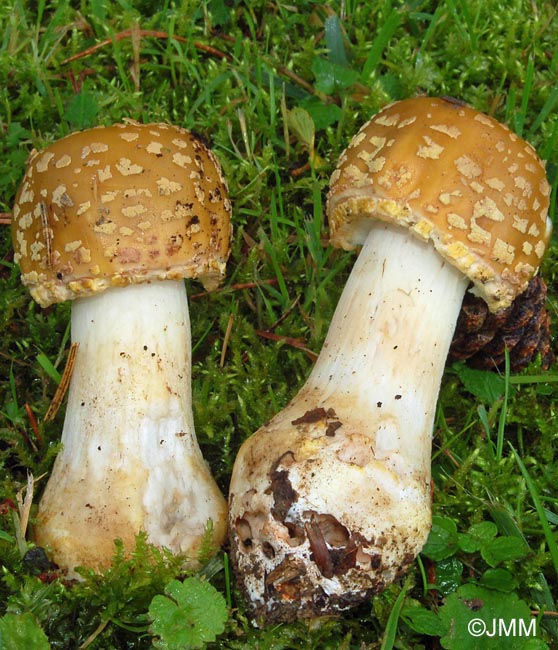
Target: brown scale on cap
x=117, y=205
x=456, y=177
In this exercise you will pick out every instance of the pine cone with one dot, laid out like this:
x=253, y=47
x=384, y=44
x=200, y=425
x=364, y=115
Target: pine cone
x=481, y=338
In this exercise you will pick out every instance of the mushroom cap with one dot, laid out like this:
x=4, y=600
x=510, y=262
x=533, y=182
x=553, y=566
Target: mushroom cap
x=117, y=205
x=454, y=176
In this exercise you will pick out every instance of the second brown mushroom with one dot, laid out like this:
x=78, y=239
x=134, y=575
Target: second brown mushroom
x=330, y=501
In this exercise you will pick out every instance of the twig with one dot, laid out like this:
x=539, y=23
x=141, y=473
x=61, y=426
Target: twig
x=143, y=33
x=94, y=634
x=536, y=612
x=235, y=287
x=64, y=383
x=287, y=72
x=24, y=504
x=298, y=171
x=284, y=314
x=34, y=424
x=5, y=218
x=295, y=343
x=226, y=341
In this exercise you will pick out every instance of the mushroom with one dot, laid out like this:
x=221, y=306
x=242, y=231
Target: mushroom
x=331, y=501
x=113, y=218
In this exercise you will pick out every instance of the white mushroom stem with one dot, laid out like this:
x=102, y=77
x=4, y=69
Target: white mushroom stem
x=130, y=460
x=330, y=501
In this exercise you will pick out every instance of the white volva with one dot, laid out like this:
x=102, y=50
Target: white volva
x=130, y=460
x=330, y=501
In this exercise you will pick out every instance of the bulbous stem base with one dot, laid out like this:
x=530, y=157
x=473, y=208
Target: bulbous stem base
x=130, y=460
x=330, y=501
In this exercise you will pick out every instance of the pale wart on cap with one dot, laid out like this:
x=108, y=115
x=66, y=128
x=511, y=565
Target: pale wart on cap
x=456, y=177
x=117, y=205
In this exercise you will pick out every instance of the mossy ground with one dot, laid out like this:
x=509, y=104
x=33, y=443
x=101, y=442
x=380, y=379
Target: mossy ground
x=278, y=89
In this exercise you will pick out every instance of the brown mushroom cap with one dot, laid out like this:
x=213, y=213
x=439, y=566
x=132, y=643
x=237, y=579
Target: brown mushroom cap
x=454, y=176
x=116, y=205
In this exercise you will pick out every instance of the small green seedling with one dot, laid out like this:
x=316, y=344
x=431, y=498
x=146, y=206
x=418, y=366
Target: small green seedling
x=19, y=631
x=191, y=614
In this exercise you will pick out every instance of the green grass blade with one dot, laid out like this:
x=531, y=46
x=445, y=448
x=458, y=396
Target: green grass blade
x=48, y=367
x=531, y=486
x=380, y=43
x=390, y=632
x=519, y=121
x=545, y=111
x=503, y=410
x=334, y=40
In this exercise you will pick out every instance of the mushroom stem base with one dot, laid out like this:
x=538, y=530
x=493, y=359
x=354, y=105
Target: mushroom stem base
x=130, y=460
x=330, y=501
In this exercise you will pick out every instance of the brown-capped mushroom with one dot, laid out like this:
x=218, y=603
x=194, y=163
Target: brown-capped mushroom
x=113, y=218
x=330, y=501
